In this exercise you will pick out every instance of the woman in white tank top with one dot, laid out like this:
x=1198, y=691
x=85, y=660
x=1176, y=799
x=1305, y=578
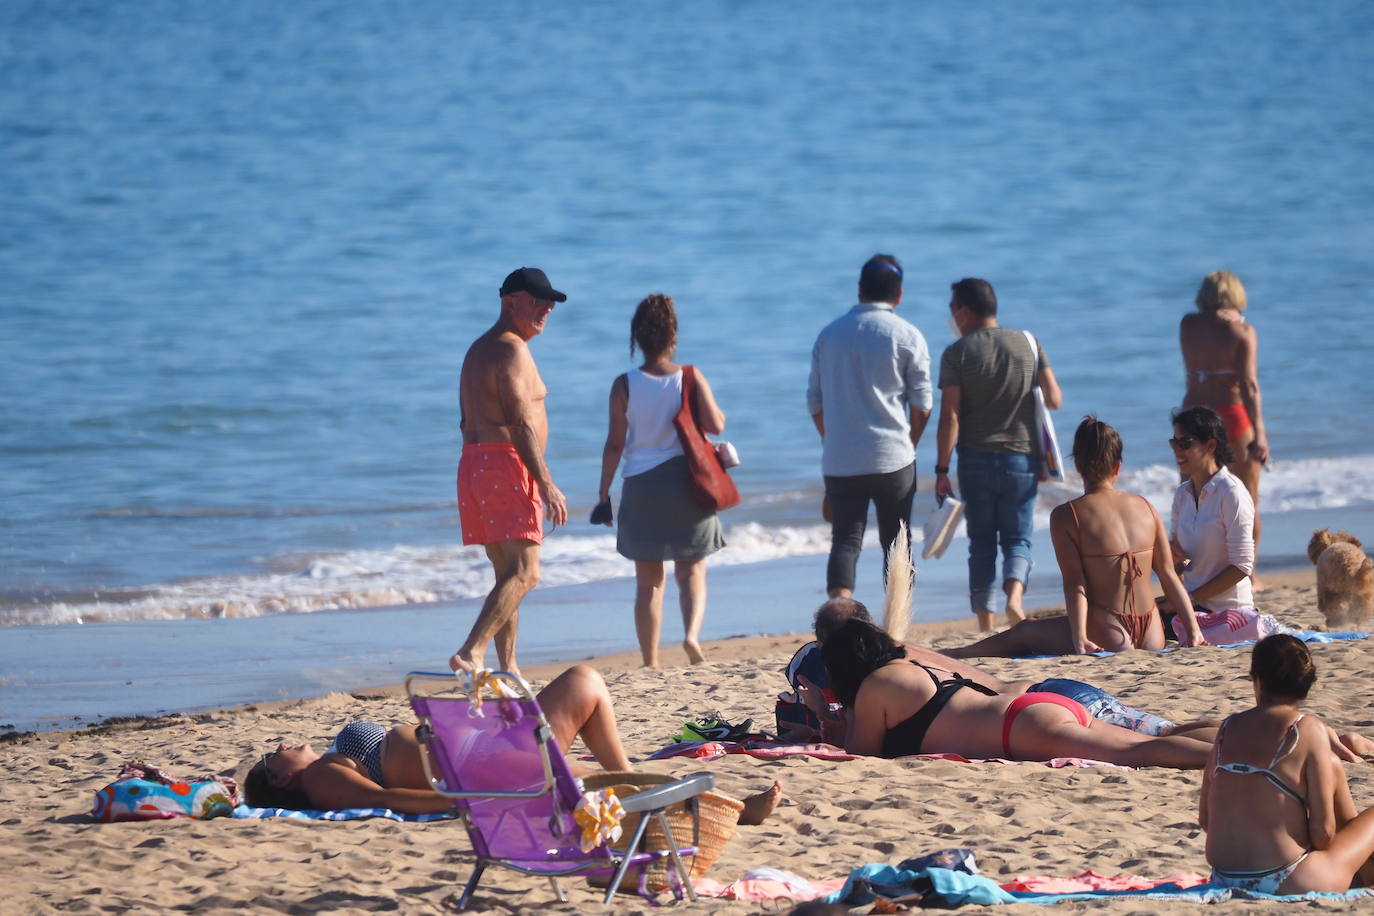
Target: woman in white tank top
x=659, y=519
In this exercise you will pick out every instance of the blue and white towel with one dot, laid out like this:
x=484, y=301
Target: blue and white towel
x=345, y=814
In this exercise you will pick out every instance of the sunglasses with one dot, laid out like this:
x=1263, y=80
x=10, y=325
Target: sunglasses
x=1183, y=443
x=267, y=771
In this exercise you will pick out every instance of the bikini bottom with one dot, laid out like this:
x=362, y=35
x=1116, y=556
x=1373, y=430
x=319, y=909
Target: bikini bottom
x=1265, y=882
x=1235, y=418
x=1030, y=699
x=1137, y=626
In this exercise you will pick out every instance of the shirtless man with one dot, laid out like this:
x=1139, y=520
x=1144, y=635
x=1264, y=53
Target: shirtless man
x=504, y=488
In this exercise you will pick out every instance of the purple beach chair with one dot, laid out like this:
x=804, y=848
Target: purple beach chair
x=516, y=793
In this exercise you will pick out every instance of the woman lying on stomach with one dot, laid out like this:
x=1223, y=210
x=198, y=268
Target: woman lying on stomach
x=896, y=706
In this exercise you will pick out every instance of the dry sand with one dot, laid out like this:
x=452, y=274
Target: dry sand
x=1019, y=819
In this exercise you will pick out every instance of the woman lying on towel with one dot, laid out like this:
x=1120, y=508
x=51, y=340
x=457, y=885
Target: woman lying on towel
x=369, y=766
x=1099, y=704
x=896, y=706
x=1275, y=802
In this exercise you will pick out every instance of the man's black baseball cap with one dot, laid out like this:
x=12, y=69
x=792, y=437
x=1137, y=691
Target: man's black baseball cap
x=533, y=281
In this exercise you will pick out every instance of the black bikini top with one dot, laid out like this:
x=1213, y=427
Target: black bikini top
x=907, y=736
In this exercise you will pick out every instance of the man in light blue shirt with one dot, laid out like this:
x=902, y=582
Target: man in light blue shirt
x=870, y=396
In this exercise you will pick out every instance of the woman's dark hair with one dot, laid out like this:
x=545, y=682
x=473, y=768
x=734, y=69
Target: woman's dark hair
x=1202, y=423
x=852, y=652
x=1283, y=667
x=259, y=792
x=880, y=279
x=1096, y=450
x=654, y=326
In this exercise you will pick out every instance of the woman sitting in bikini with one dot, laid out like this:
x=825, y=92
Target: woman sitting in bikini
x=1275, y=802
x=896, y=706
x=1107, y=542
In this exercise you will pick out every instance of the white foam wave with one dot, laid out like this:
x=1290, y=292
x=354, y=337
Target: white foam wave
x=399, y=575
x=410, y=575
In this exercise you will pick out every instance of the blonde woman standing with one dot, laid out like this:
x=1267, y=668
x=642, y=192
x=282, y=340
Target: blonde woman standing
x=1220, y=361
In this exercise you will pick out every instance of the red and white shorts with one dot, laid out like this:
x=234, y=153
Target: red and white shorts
x=498, y=500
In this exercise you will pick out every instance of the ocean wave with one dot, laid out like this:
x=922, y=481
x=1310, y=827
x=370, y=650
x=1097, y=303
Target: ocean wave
x=305, y=583
x=384, y=578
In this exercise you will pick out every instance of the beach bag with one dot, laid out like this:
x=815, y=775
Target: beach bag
x=144, y=793
x=1046, y=442
x=789, y=712
x=711, y=486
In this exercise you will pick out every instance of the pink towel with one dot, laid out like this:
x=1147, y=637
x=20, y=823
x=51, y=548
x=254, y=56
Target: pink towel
x=1091, y=881
x=763, y=885
x=712, y=750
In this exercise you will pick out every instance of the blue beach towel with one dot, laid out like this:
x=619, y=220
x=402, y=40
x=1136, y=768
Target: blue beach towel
x=346, y=814
x=1304, y=635
x=956, y=888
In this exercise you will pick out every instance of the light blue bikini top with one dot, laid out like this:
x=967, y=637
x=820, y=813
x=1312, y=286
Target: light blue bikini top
x=1286, y=746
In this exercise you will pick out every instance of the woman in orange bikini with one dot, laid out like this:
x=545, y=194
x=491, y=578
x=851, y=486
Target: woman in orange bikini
x=1106, y=542
x=1220, y=359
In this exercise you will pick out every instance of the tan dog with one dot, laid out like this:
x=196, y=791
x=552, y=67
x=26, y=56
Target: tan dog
x=1345, y=577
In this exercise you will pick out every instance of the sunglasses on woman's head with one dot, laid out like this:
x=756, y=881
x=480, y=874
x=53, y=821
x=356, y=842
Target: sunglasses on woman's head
x=1183, y=443
x=267, y=771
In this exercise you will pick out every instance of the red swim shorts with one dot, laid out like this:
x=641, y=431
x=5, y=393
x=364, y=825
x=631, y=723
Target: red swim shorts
x=498, y=500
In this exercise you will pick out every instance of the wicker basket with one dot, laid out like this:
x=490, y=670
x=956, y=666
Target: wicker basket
x=719, y=815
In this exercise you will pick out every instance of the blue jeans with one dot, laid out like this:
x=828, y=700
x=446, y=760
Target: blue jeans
x=999, y=503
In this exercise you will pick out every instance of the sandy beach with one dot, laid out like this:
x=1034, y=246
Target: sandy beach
x=1019, y=819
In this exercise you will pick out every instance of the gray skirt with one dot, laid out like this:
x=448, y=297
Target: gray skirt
x=659, y=519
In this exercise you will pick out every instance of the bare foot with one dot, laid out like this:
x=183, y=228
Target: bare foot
x=1014, y=615
x=985, y=619
x=461, y=662
x=1256, y=586
x=693, y=649
x=758, y=807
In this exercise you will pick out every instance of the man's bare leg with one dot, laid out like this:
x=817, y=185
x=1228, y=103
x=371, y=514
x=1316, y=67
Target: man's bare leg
x=691, y=594
x=648, y=608
x=505, y=643
x=517, y=571
x=985, y=620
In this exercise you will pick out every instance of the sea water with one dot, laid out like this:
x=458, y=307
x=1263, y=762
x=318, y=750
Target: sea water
x=245, y=247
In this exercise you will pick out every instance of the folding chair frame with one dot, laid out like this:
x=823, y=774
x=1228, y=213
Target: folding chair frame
x=651, y=803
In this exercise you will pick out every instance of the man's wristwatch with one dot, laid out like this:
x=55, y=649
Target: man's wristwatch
x=941, y=469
